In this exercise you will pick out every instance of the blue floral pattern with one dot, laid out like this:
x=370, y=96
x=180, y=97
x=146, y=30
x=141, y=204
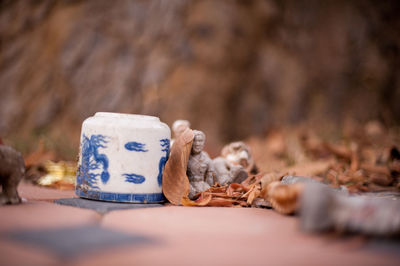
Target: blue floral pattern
x=164, y=148
x=93, y=160
x=135, y=146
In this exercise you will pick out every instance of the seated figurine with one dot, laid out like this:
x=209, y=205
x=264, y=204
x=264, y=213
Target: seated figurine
x=200, y=168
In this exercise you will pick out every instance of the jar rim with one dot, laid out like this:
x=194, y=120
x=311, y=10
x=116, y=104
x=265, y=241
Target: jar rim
x=125, y=115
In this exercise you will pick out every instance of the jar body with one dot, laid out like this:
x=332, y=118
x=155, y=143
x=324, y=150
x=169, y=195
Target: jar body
x=122, y=158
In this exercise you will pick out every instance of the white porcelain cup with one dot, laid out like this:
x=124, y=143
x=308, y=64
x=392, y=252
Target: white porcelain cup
x=122, y=157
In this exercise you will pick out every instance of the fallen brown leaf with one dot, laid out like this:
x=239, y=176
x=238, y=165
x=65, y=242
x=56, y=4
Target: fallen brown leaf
x=222, y=202
x=310, y=168
x=339, y=151
x=236, y=188
x=284, y=198
x=255, y=193
x=379, y=169
x=203, y=200
x=355, y=160
x=252, y=179
x=175, y=183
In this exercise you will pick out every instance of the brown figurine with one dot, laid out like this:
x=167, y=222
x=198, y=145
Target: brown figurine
x=12, y=170
x=200, y=168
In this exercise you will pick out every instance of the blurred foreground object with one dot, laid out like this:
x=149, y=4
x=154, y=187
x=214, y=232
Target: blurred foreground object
x=323, y=209
x=12, y=170
x=61, y=175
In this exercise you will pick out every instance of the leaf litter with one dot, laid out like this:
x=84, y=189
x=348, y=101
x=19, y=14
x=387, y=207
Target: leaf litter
x=360, y=162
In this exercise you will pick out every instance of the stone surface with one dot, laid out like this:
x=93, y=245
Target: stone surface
x=391, y=247
x=230, y=236
x=33, y=193
x=13, y=253
x=34, y=215
x=183, y=236
x=102, y=206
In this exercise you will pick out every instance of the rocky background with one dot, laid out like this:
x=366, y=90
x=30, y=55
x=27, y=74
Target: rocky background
x=233, y=68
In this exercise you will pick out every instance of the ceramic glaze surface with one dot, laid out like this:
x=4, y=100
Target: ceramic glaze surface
x=122, y=158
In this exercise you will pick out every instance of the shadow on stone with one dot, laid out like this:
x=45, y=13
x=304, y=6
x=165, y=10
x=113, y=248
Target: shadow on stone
x=102, y=206
x=71, y=242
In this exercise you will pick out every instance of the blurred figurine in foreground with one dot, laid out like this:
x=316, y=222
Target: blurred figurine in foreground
x=12, y=170
x=238, y=153
x=178, y=127
x=323, y=209
x=200, y=169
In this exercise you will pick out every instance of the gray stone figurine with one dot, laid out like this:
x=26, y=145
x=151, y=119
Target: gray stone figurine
x=228, y=173
x=12, y=170
x=200, y=169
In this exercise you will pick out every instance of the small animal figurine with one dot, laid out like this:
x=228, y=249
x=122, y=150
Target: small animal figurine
x=200, y=169
x=238, y=153
x=12, y=170
x=228, y=173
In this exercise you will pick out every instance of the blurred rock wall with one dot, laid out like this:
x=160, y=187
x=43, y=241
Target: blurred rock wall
x=233, y=68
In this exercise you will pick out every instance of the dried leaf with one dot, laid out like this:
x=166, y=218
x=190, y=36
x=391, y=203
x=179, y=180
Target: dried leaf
x=355, y=160
x=381, y=179
x=222, y=202
x=175, y=183
x=236, y=188
x=218, y=189
x=284, y=198
x=347, y=178
x=268, y=179
x=255, y=193
x=252, y=179
x=378, y=169
x=203, y=200
x=339, y=151
x=310, y=168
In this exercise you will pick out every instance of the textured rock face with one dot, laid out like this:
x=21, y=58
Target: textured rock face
x=232, y=68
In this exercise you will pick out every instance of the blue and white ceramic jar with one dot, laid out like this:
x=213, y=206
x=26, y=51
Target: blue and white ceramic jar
x=122, y=157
